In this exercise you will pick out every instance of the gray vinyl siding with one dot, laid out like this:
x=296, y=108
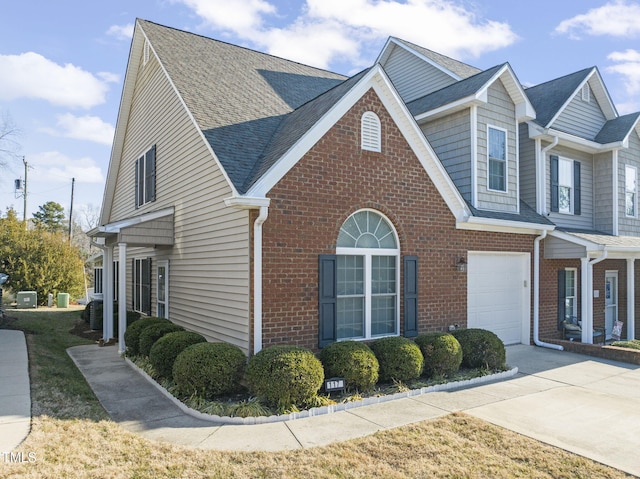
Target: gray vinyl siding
x=527, y=167
x=555, y=248
x=628, y=226
x=585, y=219
x=450, y=138
x=498, y=112
x=603, y=194
x=414, y=77
x=581, y=118
x=209, y=276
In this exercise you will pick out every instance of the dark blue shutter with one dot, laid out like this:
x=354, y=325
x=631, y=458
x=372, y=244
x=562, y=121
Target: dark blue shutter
x=562, y=293
x=554, y=184
x=150, y=175
x=410, y=296
x=576, y=188
x=327, y=298
x=137, y=185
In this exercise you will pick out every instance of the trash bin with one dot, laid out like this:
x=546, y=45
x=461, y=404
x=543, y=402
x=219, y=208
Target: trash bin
x=63, y=300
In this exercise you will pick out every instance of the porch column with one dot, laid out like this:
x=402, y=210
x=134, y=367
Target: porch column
x=586, y=309
x=631, y=299
x=107, y=289
x=122, y=295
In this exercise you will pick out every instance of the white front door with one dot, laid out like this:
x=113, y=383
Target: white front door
x=610, y=301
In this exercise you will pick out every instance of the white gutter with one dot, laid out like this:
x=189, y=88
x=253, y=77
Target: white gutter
x=536, y=295
x=257, y=278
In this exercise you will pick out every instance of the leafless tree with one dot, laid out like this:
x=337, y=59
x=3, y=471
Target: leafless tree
x=9, y=145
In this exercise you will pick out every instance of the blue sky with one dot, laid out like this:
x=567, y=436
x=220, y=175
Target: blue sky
x=62, y=63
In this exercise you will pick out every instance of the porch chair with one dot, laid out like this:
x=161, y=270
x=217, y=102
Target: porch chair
x=572, y=330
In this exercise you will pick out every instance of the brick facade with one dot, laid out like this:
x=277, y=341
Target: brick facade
x=333, y=180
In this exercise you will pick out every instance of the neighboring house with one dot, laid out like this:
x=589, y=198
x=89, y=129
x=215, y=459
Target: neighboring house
x=259, y=201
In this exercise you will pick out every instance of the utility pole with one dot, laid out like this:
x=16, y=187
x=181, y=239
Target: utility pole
x=73, y=181
x=26, y=168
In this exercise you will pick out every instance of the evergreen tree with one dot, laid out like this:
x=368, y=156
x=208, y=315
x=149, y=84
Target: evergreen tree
x=50, y=217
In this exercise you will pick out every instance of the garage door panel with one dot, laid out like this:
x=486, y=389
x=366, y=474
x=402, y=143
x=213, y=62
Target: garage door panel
x=497, y=295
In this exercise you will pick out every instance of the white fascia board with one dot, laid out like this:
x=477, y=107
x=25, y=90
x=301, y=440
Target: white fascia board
x=569, y=99
x=524, y=109
x=589, y=245
x=377, y=79
x=477, y=223
x=246, y=202
x=572, y=141
x=466, y=102
x=602, y=95
x=135, y=220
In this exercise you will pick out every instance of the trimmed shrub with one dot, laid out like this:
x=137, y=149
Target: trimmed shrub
x=285, y=375
x=132, y=317
x=132, y=333
x=400, y=358
x=353, y=361
x=151, y=334
x=209, y=369
x=481, y=349
x=166, y=349
x=86, y=312
x=442, y=353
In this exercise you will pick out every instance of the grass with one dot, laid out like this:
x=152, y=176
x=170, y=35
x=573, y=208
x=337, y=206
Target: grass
x=72, y=437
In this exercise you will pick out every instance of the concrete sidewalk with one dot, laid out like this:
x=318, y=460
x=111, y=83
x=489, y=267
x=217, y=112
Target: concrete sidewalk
x=15, y=393
x=581, y=404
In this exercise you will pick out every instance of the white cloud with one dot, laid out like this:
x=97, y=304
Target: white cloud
x=619, y=19
x=628, y=66
x=56, y=167
x=121, y=32
x=331, y=29
x=90, y=128
x=34, y=76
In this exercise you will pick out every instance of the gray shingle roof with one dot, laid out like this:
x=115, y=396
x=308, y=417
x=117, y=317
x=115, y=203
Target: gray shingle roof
x=617, y=129
x=547, y=98
x=237, y=96
x=526, y=215
x=457, y=67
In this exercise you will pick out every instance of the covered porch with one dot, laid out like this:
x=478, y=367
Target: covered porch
x=150, y=230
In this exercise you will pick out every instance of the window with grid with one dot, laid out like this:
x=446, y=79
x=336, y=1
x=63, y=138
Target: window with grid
x=497, y=147
x=570, y=308
x=630, y=190
x=142, y=285
x=145, y=173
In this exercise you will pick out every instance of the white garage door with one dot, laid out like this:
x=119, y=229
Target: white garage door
x=498, y=294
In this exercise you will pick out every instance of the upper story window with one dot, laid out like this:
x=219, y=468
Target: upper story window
x=497, y=149
x=370, y=132
x=146, y=177
x=565, y=186
x=630, y=190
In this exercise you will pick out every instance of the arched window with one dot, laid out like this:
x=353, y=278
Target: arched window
x=370, y=132
x=367, y=277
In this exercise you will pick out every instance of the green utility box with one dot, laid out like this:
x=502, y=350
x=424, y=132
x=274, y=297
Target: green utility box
x=27, y=299
x=63, y=300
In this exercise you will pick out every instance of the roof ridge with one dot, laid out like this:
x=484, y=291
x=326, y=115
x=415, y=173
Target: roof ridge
x=562, y=77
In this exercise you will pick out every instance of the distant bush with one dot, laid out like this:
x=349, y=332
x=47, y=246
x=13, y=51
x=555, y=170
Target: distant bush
x=283, y=376
x=151, y=334
x=132, y=333
x=442, y=353
x=481, y=349
x=209, y=369
x=353, y=361
x=400, y=358
x=166, y=349
x=632, y=344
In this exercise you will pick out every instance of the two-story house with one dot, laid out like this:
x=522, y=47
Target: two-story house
x=260, y=201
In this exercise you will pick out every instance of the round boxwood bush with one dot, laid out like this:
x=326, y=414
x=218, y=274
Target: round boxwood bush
x=285, y=375
x=209, y=369
x=151, y=334
x=442, y=353
x=481, y=349
x=400, y=358
x=353, y=361
x=132, y=333
x=166, y=349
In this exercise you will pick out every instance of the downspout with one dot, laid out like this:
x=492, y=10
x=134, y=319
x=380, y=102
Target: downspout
x=536, y=295
x=587, y=322
x=542, y=181
x=257, y=278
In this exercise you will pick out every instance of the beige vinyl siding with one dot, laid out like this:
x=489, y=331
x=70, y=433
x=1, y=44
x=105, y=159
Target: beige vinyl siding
x=450, y=138
x=586, y=219
x=527, y=160
x=603, y=193
x=628, y=156
x=581, y=118
x=209, y=263
x=498, y=112
x=414, y=77
x=555, y=248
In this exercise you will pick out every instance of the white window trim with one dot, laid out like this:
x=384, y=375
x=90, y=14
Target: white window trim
x=575, y=288
x=163, y=264
x=370, y=132
x=627, y=169
x=571, y=186
x=506, y=160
